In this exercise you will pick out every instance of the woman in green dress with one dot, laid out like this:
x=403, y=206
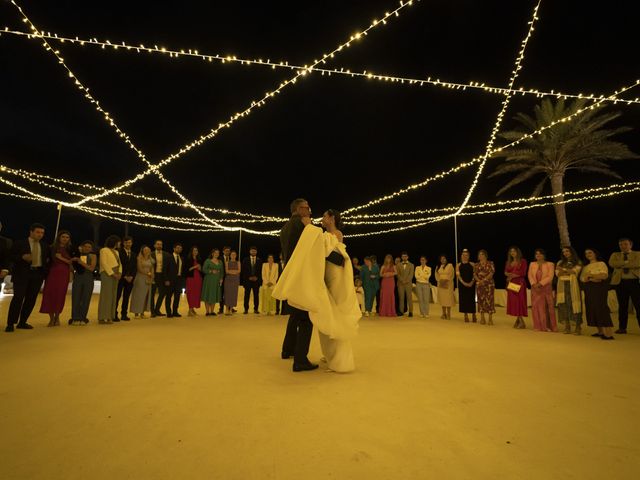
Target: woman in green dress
x=213, y=271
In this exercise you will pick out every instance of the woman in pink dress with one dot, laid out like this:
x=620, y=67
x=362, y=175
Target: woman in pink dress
x=194, y=280
x=387, y=288
x=516, y=272
x=58, y=278
x=543, y=311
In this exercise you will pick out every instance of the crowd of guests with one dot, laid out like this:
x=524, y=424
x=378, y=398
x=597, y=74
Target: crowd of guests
x=144, y=280
x=554, y=287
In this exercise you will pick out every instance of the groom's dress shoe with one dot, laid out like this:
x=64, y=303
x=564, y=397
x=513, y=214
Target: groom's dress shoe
x=302, y=367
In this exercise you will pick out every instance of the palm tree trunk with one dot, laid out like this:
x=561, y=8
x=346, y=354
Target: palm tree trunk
x=557, y=188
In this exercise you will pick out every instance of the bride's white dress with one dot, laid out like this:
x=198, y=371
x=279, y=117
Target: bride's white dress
x=326, y=291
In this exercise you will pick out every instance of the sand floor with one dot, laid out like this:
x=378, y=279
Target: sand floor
x=209, y=398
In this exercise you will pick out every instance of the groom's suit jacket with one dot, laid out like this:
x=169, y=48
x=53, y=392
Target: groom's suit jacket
x=289, y=236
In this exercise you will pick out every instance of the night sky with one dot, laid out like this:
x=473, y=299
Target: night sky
x=336, y=141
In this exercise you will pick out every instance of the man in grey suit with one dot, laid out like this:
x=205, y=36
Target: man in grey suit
x=626, y=279
x=405, y=271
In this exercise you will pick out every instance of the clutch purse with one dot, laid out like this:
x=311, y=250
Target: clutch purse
x=514, y=287
x=335, y=258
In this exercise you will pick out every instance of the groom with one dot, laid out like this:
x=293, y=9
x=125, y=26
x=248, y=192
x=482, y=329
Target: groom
x=299, y=328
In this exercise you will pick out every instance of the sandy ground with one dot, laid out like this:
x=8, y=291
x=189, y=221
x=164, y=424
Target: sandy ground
x=209, y=398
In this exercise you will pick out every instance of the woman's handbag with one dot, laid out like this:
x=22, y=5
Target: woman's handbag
x=514, y=287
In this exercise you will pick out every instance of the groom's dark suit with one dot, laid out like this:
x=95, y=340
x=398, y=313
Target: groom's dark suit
x=299, y=328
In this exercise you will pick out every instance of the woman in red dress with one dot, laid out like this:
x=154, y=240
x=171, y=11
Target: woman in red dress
x=194, y=280
x=58, y=278
x=387, y=288
x=516, y=272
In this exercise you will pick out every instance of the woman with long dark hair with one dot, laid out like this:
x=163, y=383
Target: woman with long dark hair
x=58, y=278
x=594, y=279
x=388, y=272
x=542, y=305
x=515, y=270
x=444, y=277
x=193, y=285
x=110, y=273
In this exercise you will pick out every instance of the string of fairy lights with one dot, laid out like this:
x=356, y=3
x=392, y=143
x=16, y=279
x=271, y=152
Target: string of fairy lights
x=204, y=223
x=122, y=46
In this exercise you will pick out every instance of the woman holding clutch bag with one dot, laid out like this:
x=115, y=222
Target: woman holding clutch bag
x=444, y=277
x=516, y=272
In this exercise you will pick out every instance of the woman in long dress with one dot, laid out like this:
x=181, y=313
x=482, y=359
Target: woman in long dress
x=483, y=272
x=370, y=276
x=213, y=270
x=594, y=278
x=466, y=287
x=387, y=289
x=141, y=291
x=58, y=278
x=231, y=283
x=193, y=284
x=568, y=296
x=516, y=272
x=444, y=277
x=542, y=305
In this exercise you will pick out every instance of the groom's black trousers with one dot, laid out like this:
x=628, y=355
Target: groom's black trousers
x=298, y=336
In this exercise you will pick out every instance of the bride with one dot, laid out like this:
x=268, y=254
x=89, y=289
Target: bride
x=318, y=278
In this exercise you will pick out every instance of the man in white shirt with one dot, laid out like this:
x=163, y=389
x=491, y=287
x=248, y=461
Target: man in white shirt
x=176, y=278
x=129, y=263
x=226, y=256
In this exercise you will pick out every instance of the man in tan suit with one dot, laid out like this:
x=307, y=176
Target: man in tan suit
x=405, y=271
x=626, y=279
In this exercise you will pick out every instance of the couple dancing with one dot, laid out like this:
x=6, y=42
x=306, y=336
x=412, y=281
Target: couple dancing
x=317, y=283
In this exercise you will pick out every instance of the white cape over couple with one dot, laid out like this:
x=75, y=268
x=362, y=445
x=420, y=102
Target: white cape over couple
x=326, y=291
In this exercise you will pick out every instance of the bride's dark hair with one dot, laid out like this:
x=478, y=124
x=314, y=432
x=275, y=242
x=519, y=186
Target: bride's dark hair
x=336, y=216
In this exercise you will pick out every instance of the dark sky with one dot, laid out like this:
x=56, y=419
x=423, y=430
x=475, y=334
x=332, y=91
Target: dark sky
x=337, y=141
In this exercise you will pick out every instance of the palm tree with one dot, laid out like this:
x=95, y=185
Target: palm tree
x=578, y=144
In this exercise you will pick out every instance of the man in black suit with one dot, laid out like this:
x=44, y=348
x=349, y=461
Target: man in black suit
x=280, y=305
x=30, y=258
x=299, y=328
x=5, y=255
x=251, y=272
x=160, y=260
x=226, y=256
x=129, y=264
x=176, y=278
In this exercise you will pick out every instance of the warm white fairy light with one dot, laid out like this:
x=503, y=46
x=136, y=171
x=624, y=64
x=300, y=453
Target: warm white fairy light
x=479, y=159
x=503, y=110
x=255, y=104
x=124, y=47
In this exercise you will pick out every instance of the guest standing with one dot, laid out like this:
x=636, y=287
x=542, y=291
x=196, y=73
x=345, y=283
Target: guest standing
x=141, y=298
x=370, y=276
x=110, y=269
x=444, y=277
x=396, y=262
x=56, y=284
x=483, y=272
x=516, y=272
x=82, y=287
x=405, y=270
x=269, y=279
x=279, y=304
x=355, y=263
x=374, y=262
x=251, y=270
x=542, y=305
x=226, y=252
x=193, y=264
x=30, y=261
x=626, y=279
x=388, y=273
x=5, y=256
x=129, y=269
x=594, y=278
x=231, y=282
x=213, y=270
x=466, y=287
x=423, y=286
x=175, y=278
x=160, y=259
x=568, y=296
